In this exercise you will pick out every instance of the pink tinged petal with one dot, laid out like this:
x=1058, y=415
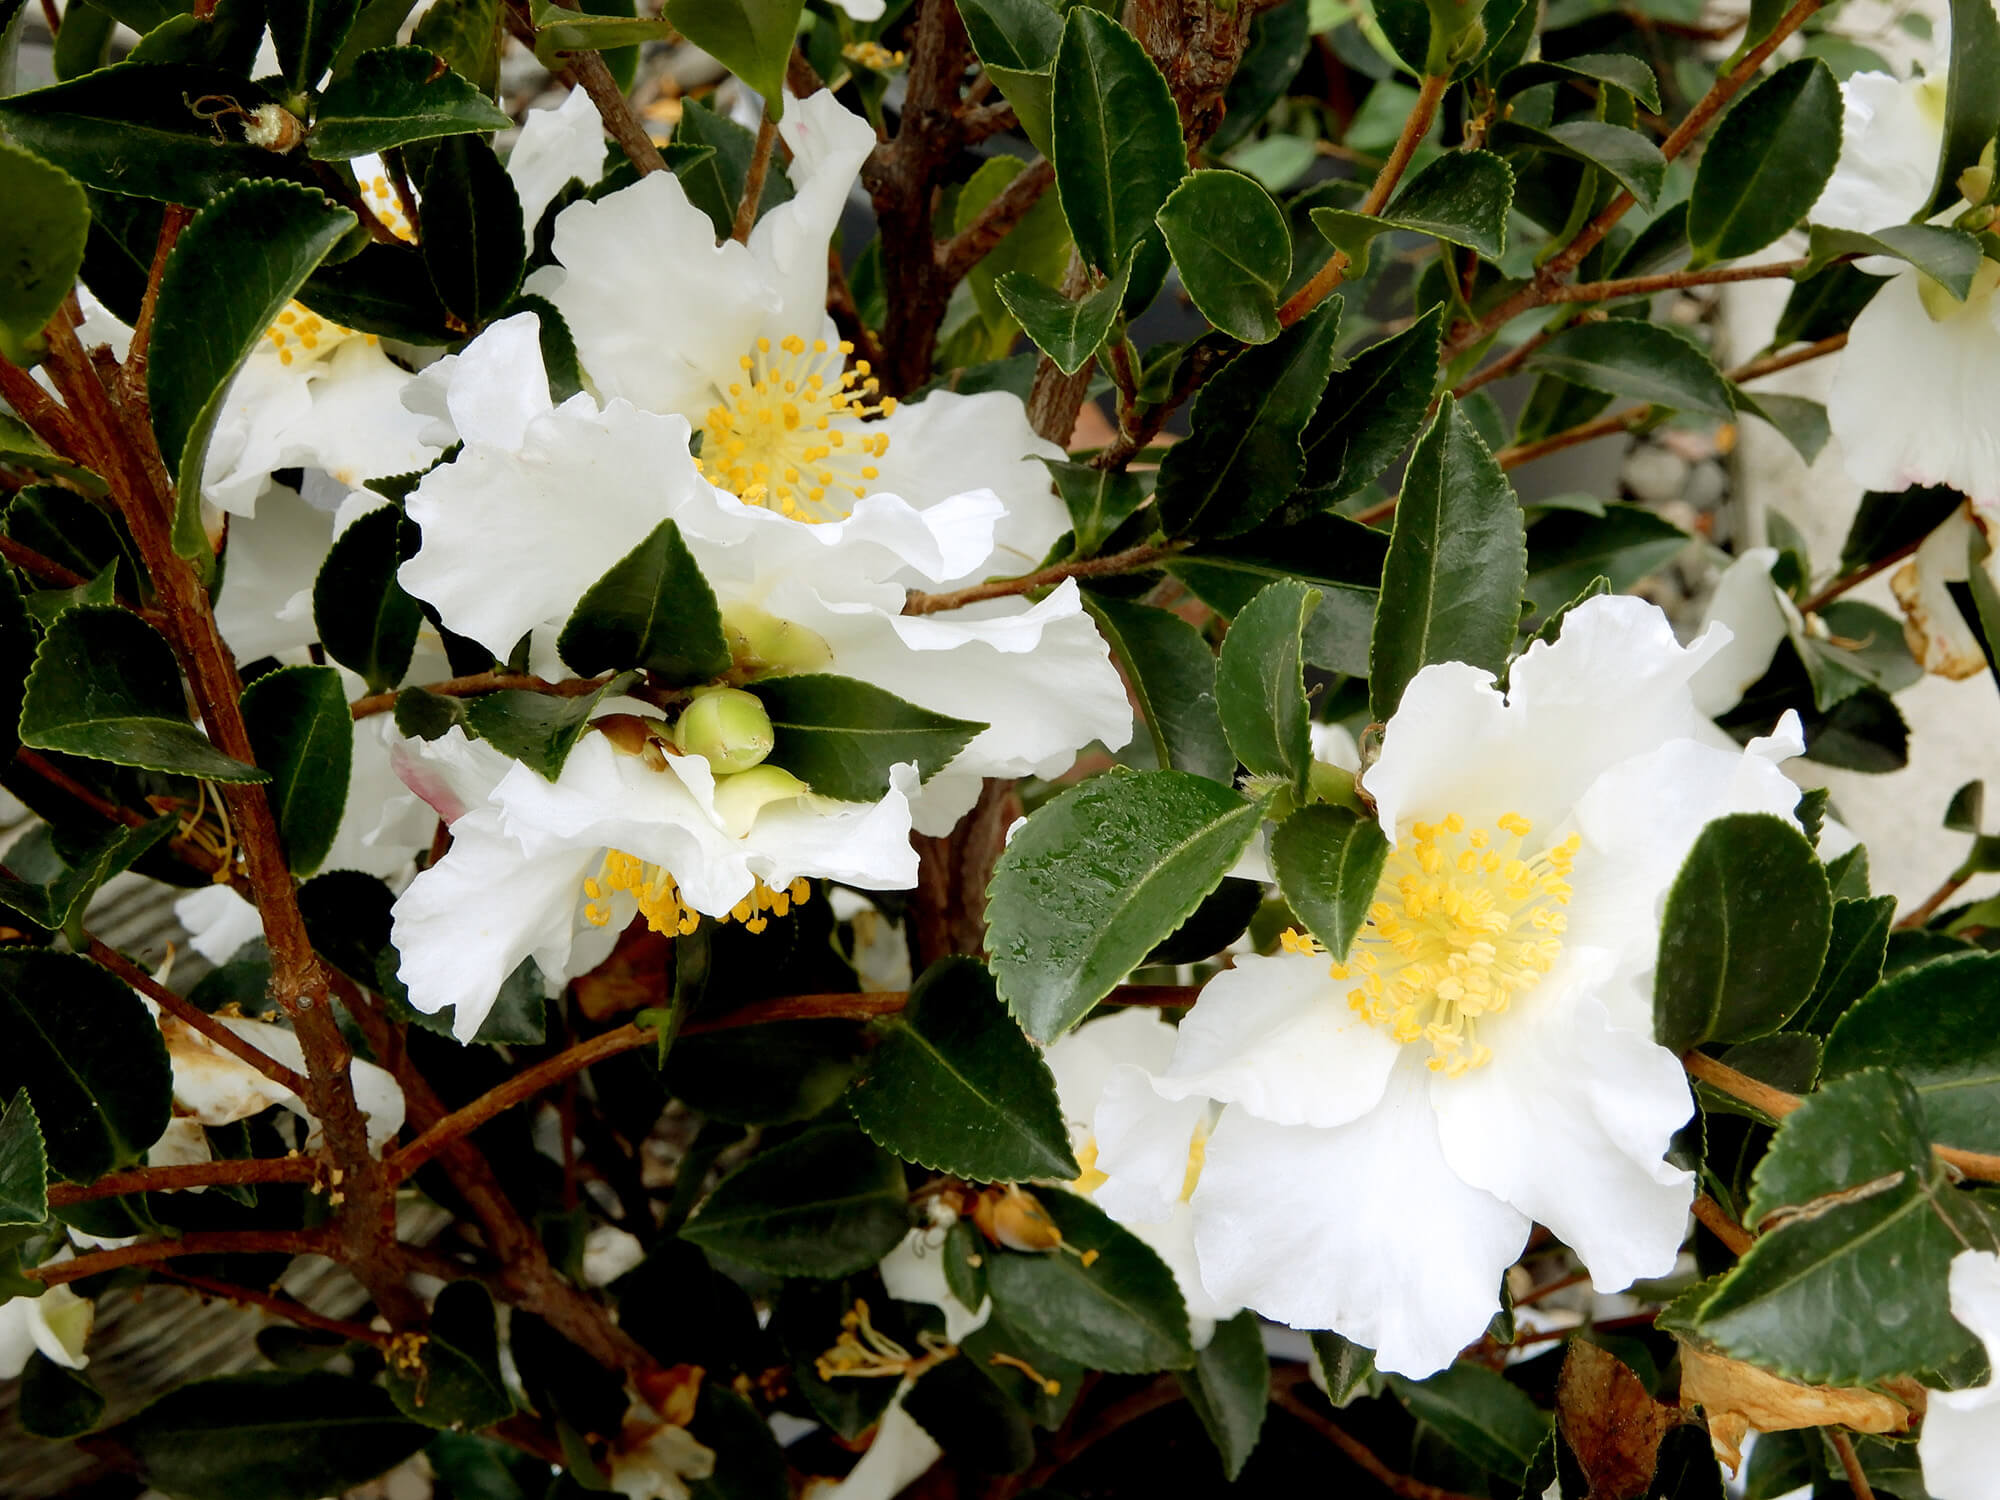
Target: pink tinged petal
x=1363, y=1229
x=1570, y=1122
x=1146, y=1147
x=1276, y=1037
x=452, y=773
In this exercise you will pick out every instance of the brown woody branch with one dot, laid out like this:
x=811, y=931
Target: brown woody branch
x=753, y=179
x=969, y=246
x=198, y=1174
x=226, y=1242
x=1132, y=560
x=481, y=682
x=194, y=1017
x=289, y=1308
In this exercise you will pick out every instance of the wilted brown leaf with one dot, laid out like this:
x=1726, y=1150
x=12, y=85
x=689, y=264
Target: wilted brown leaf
x=1739, y=1396
x=1612, y=1425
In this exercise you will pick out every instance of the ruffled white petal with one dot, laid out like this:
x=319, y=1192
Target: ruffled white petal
x=490, y=391
x=265, y=606
x=1147, y=1146
x=217, y=1087
x=1891, y=132
x=1959, y=1446
x=555, y=146
x=828, y=144
x=1084, y=1060
x=1757, y=616
x=914, y=1272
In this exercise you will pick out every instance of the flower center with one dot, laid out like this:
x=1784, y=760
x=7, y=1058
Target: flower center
x=1461, y=923
x=660, y=903
x=303, y=335
x=790, y=435
x=1094, y=1177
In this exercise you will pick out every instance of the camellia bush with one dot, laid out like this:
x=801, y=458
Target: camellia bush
x=880, y=789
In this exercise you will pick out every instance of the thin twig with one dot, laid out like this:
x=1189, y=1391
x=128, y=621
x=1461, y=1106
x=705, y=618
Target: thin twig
x=1770, y=364
x=195, y=1018
x=1857, y=1477
x=289, y=1308
x=179, y=1178
x=45, y=568
x=615, y=110
x=480, y=682
x=1930, y=904
x=1506, y=364
x=1285, y=1395
x=1859, y=576
x=133, y=379
x=225, y=1242
x=1667, y=281
x=1131, y=560
x=1009, y=206
x=1718, y=1223
x=753, y=179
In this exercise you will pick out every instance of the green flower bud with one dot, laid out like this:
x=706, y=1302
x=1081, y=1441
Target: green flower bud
x=1975, y=183
x=1329, y=783
x=739, y=798
x=761, y=644
x=1456, y=35
x=726, y=727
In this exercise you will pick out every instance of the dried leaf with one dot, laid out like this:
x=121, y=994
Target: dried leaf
x=1738, y=1396
x=1612, y=1425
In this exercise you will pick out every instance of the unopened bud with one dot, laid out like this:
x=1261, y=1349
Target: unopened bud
x=739, y=798
x=1331, y=783
x=761, y=644
x=1456, y=35
x=1014, y=1218
x=1975, y=183
x=273, y=127
x=726, y=727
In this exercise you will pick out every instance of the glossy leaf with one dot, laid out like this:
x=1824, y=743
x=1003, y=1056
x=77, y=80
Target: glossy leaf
x=1971, y=105
x=1768, y=163
x=559, y=30
x=1121, y=1313
x=1451, y=584
x=393, y=97
x=1480, y=1412
x=385, y=291
x=1098, y=500
x=1370, y=411
x=1229, y=1387
x=1801, y=422
x=57, y=1402
x=1117, y=137
x=24, y=1164
x=271, y=235
x=1017, y=40
x=1619, y=69
x=954, y=1086
x=1627, y=157
x=1643, y=361
x=105, y=685
x=1097, y=878
x=1067, y=331
x=1172, y=673
x=365, y=620
x=307, y=34
x=1568, y=549
x=1934, y=1027
x=93, y=1066
x=1887, y=523
x=1328, y=861
x=1260, y=688
x=714, y=181
x=752, y=38
x=50, y=885
x=826, y=1203
x=1950, y=257
x=302, y=734
x=474, y=245
x=538, y=729
x=840, y=736
x=41, y=245
x=454, y=1378
x=653, y=611
x=1743, y=936
x=1462, y=198
x=1233, y=251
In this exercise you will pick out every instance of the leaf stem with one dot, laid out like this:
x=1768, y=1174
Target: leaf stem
x=1859, y=576
x=1716, y=1220
x=288, y=1308
x=1668, y=281
x=1850, y=1461
x=481, y=682
x=1131, y=560
x=990, y=225
x=753, y=179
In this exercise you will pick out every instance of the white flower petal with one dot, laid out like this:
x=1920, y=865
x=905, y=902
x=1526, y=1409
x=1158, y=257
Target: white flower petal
x=1758, y=617
x=218, y=922
x=1173, y=1241
x=555, y=145
x=1891, y=131
x=914, y=1272
x=828, y=144
x=1938, y=634
x=1084, y=1060
x=900, y=1453
x=490, y=391
x=265, y=605
x=217, y=1087
x=1146, y=1147
x=1960, y=1442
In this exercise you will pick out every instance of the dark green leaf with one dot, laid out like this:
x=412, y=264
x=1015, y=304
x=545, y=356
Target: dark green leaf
x=307, y=34
x=1744, y=934
x=1971, y=105
x=365, y=620
x=1229, y=1388
x=1346, y=1365
x=1568, y=549
x=714, y=178
x=275, y=1436
x=474, y=245
x=395, y=96
x=1887, y=523
x=653, y=611
x=454, y=1379
x=1172, y=673
x=105, y=685
x=1233, y=250
x=93, y=1066
x=1799, y=421
x=840, y=736
x=302, y=734
x=1223, y=916
x=1017, y=41
x=1097, y=878
x=1121, y=1313
x=749, y=1464
x=1934, y=1027
x=1619, y=69
x=1068, y=332
x=24, y=1164
x=1339, y=557
x=1452, y=582
x=1370, y=411
x=1098, y=500
x=1857, y=947
x=1242, y=458
x=972, y=1419
x=1634, y=162
x=1950, y=257
x=1846, y=1281
x=57, y=1402
x=538, y=729
x=825, y=1203
x=1824, y=304
x=1463, y=197
x=384, y=291
x=1328, y=861
x=752, y=38
x=271, y=235
x=952, y=1085
x=41, y=247
x=1768, y=162
x=1644, y=361
x=1481, y=1413
x=1117, y=137
x=50, y=882
x=376, y=25
x=1260, y=688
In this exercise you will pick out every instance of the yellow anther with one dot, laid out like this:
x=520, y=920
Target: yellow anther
x=797, y=409
x=1515, y=824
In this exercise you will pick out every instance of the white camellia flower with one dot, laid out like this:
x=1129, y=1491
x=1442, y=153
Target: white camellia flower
x=55, y=1325
x=745, y=351
x=544, y=500
x=554, y=871
x=1484, y=1057
x=555, y=146
x=1908, y=400
x=1758, y=617
x=1959, y=1445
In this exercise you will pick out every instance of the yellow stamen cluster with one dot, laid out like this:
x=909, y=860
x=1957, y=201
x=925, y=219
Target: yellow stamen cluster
x=387, y=205
x=863, y=1351
x=790, y=435
x=873, y=56
x=1462, y=922
x=660, y=901
x=302, y=334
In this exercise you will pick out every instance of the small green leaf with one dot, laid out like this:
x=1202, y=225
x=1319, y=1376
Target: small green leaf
x=474, y=245
x=1801, y=422
x=1479, y=1412
x=1017, y=42
x=1328, y=861
x=302, y=734
x=1770, y=158
x=105, y=685
x=1068, y=332
x=751, y=38
x=1098, y=500
x=1345, y=1364
x=559, y=30
x=1097, y=878
x=1743, y=936
x=24, y=1164
x=1117, y=137
x=365, y=620
x=1934, y=1026
x=270, y=235
x=962, y=1409
x=1260, y=688
x=454, y=1379
x=1644, y=361
x=952, y=1085
x=306, y=35
x=1233, y=250
x=1172, y=673
x=1339, y=557
x=1121, y=1313
x=393, y=97
x=93, y=1066
x=537, y=729
x=840, y=736
x=1950, y=257
x=1229, y=1388
x=1463, y=197
x=1846, y=1281
x=1242, y=457
x=826, y=1203
x=268, y=1436
x=1971, y=103
x=1619, y=69
x=1370, y=411
x=1451, y=585
x=41, y=247
x=1631, y=160
x=384, y=291
x=653, y=611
